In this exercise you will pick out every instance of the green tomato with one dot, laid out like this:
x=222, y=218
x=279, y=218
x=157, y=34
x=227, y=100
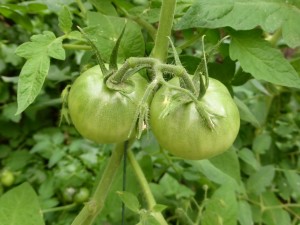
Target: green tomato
x=7, y=178
x=82, y=195
x=101, y=114
x=183, y=132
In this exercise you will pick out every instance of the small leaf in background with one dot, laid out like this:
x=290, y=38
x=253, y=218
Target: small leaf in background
x=130, y=201
x=65, y=20
x=262, y=143
x=274, y=216
x=248, y=157
x=244, y=213
x=245, y=15
x=170, y=186
x=259, y=58
x=9, y=112
x=105, y=7
x=245, y=112
x=222, y=208
x=20, y=206
x=15, y=14
x=212, y=172
x=259, y=181
x=159, y=208
x=146, y=218
x=293, y=179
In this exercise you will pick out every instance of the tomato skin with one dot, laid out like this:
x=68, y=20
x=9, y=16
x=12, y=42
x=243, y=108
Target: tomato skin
x=99, y=113
x=183, y=132
x=82, y=195
x=7, y=178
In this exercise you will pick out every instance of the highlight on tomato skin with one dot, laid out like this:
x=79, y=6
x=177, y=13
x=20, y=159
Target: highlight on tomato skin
x=100, y=114
x=183, y=131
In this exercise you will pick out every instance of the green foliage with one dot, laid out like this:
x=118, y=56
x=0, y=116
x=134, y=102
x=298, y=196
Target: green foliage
x=17, y=204
x=255, y=182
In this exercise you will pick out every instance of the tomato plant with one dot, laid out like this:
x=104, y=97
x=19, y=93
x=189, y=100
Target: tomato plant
x=101, y=114
x=184, y=131
x=179, y=170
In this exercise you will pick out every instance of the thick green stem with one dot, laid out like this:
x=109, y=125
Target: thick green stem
x=91, y=209
x=160, y=49
x=59, y=208
x=145, y=187
x=76, y=47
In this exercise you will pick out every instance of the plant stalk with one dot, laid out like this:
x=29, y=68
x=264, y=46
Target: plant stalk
x=145, y=187
x=160, y=50
x=92, y=208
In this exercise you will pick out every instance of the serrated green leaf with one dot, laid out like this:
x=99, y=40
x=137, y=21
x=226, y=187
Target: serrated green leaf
x=264, y=62
x=258, y=181
x=130, y=201
x=31, y=80
x=42, y=44
x=20, y=206
x=221, y=209
x=245, y=15
x=105, y=30
x=65, y=20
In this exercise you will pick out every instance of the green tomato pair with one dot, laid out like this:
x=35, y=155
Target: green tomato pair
x=106, y=116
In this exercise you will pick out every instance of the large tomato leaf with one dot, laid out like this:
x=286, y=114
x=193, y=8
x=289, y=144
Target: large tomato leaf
x=222, y=207
x=31, y=80
x=105, y=30
x=259, y=58
x=20, y=206
x=33, y=74
x=246, y=15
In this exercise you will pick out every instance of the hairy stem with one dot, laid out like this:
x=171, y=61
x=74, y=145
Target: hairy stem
x=91, y=209
x=160, y=49
x=145, y=187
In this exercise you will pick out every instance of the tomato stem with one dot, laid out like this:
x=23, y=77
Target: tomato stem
x=91, y=209
x=160, y=50
x=145, y=187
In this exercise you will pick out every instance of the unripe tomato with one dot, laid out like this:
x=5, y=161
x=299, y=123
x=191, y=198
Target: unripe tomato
x=184, y=133
x=99, y=113
x=7, y=178
x=82, y=195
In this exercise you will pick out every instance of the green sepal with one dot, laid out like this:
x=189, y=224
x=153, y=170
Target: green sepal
x=99, y=58
x=177, y=62
x=174, y=103
x=64, y=113
x=113, y=62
